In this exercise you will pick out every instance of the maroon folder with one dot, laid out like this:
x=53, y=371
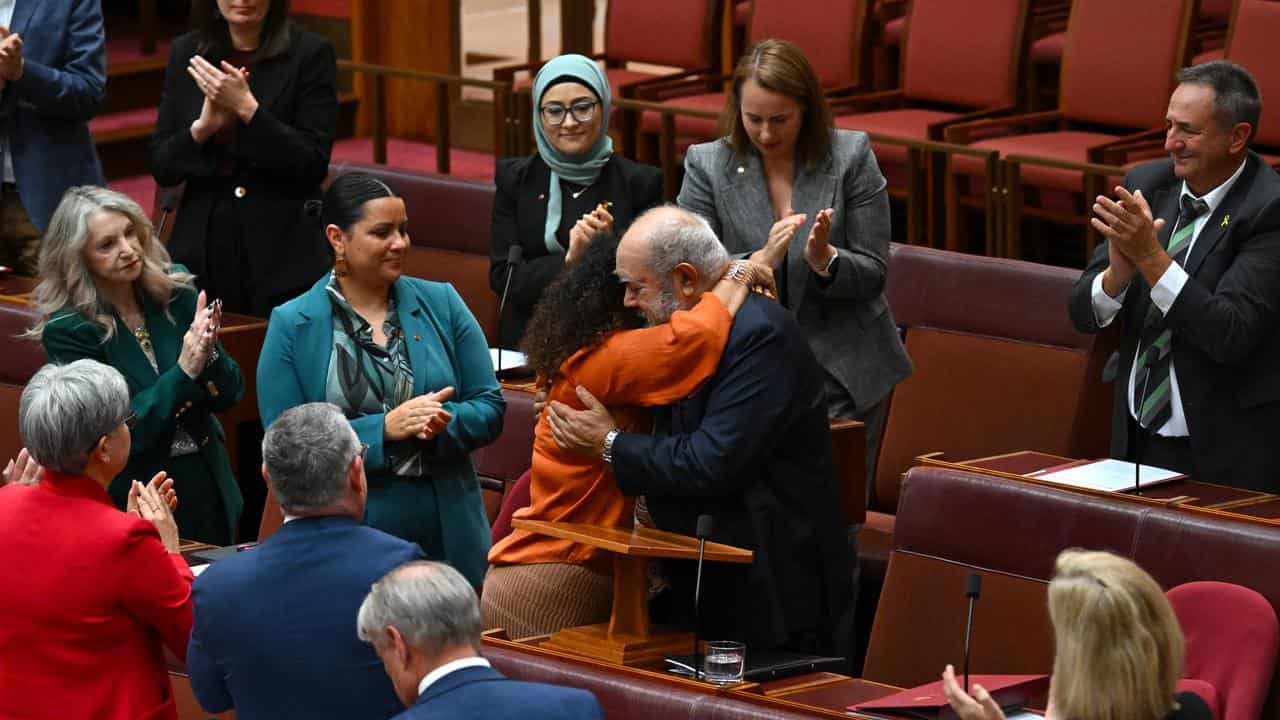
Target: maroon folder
x=930, y=701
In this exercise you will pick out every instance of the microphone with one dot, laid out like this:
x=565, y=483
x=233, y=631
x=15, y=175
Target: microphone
x=703, y=531
x=972, y=589
x=514, y=255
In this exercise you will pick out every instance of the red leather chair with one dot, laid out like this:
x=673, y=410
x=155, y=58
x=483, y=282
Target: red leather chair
x=1139, y=43
x=516, y=497
x=1212, y=27
x=946, y=79
x=1232, y=636
x=830, y=34
x=1252, y=44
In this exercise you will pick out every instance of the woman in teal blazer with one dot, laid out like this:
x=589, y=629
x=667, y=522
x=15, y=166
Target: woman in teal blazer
x=109, y=292
x=406, y=361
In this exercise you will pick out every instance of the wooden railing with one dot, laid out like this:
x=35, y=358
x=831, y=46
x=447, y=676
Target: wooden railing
x=504, y=138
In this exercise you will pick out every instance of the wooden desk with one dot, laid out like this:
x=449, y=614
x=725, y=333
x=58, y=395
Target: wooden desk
x=1020, y=466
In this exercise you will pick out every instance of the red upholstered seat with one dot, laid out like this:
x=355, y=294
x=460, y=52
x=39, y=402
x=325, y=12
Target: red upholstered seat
x=906, y=122
x=1206, y=693
x=830, y=34
x=1253, y=45
x=618, y=77
x=1207, y=56
x=1232, y=636
x=516, y=497
x=1070, y=145
x=893, y=31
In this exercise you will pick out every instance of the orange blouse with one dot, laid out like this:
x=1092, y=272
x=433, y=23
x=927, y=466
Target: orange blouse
x=628, y=372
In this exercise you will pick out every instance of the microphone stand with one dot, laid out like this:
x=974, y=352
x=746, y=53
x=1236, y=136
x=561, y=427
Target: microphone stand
x=1137, y=431
x=703, y=531
x=973, y=588
x=514, y=255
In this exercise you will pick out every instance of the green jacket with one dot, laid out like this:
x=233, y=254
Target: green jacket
x=160, y=401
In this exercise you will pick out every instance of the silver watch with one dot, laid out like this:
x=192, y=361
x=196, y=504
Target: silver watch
x=607, y=453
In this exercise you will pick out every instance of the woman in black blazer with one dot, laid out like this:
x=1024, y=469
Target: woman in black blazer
x=247, y=122
x=553, y=204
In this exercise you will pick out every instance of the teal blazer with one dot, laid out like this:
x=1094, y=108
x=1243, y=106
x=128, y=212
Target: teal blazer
x=160, y=400
x=446, y=347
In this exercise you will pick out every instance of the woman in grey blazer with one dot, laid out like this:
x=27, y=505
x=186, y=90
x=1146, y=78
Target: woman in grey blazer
x=809, y=200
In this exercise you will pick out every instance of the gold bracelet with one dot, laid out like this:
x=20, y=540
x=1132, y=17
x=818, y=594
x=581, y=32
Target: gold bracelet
x=739, y=271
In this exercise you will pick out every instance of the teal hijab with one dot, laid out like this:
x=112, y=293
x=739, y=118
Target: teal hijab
x=580, y=169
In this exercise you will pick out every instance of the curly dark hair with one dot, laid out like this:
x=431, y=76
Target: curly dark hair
x=579, y=309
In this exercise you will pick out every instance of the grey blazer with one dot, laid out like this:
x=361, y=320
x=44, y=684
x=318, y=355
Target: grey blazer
x=846, y=318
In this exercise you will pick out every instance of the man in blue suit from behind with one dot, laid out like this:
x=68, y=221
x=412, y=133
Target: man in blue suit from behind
x=275, y=633
x=53, y=79
x=424, y=621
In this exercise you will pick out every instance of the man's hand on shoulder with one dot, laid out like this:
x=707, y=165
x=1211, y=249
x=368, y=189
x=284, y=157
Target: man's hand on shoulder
x=580, y=431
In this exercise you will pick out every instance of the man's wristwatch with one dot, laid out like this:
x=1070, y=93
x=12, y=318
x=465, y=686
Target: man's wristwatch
x=607, y=453
x=826, y=270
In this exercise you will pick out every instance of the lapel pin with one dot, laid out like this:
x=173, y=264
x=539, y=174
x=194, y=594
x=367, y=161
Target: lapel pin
x=741, y=169
x=1226, y=220
x=542, y=196
x=417, y=337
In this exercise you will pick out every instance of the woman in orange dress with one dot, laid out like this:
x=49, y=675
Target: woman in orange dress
x=582, y=335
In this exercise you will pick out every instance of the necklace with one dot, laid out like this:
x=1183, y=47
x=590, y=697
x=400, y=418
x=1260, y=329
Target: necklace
x=144, y=337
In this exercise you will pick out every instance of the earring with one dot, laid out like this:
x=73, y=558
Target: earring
x=340, y=266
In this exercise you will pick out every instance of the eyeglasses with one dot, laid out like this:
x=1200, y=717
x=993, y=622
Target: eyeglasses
x=130, y=420
x=582, y=111
x=364, y=449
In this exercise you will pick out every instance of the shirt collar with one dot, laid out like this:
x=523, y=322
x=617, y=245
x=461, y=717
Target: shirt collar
x=447, y=668
x=1214, y=197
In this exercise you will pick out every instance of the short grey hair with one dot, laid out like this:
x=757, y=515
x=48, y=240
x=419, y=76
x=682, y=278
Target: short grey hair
x=1235, y=93
x=431, y=605
x=307, y=452
x=684, y=237
x=66, y=409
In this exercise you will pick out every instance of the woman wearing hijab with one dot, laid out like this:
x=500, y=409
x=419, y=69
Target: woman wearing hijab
x=553, y=204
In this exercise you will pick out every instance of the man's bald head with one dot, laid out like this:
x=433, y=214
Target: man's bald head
x=667, y=259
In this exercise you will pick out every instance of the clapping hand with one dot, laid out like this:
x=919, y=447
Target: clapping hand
x=12, y=62
x=979, y=706
x=775, y=247
x=200, y=338
x=24, y=470
x=589, y=227
x=227, y=87
x=817, y=249
x=1132, y=236
x=153, y=502
x=422, y=417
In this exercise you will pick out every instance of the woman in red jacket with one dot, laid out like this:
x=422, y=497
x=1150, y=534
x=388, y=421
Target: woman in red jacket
x=90, y=593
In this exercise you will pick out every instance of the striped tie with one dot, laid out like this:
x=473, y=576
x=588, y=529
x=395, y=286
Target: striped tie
x=1154, y=361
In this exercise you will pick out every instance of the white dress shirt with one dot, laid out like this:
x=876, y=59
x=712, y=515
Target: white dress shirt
x=447, y=668
x=1163, y=294
x=6, y=17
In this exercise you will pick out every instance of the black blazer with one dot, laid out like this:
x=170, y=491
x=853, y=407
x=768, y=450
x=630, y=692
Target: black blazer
x=520, y=217
x=280, y=159
x=1226, y=348
x=753, y=449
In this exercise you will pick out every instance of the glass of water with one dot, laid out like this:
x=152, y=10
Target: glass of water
x=724, y=661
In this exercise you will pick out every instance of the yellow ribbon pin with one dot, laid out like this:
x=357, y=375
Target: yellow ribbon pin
x=1226, y=220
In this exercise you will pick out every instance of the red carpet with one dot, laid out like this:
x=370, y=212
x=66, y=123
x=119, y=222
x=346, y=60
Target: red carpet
x=142, y=188
x=408, y=155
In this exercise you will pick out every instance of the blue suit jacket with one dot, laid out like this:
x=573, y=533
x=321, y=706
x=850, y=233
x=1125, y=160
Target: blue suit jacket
x=446, y=348
x=63, y=85
x=481, y=693
x=275, y=627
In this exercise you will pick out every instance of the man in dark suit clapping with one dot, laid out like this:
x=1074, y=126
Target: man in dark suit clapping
x=1191, y=267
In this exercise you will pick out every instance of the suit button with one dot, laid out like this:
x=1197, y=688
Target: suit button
x=240, y=191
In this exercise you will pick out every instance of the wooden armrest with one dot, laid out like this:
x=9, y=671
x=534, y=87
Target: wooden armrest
x=867, y=102
x=660, y=91
x=935, y=130
x=1122, y=150
x=663, y=80
x=849, y=446
x=507, y=73
x=965, y=133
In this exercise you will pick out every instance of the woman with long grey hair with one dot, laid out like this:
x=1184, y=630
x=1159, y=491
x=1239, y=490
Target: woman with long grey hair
x=109, y=292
